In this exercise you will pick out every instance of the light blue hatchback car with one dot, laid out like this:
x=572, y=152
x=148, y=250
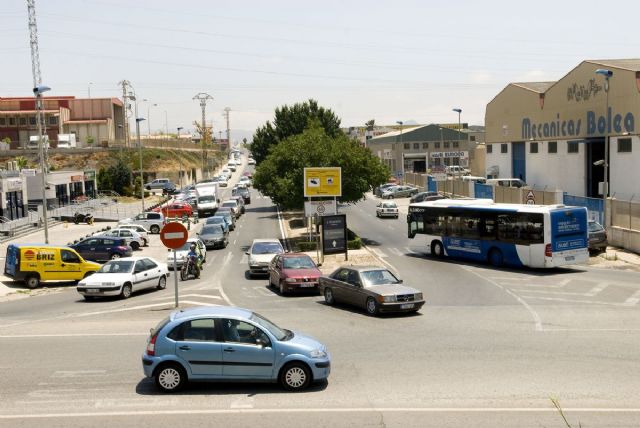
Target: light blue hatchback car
x=225, y=343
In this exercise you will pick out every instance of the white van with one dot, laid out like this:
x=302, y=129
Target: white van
x=457, y=170
x=473, y=178
x=67, y=141
x=506, y=182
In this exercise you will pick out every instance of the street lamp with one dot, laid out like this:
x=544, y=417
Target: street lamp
x=37, y=92
x=399, y=122
x=138, y=120
x=459, y=111
x=605, y=191
x=180, y=128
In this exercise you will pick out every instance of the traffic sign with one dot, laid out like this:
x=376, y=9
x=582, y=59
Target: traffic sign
x=313, y=208
x=174, y=235
x=531, y=198
x=322, y=182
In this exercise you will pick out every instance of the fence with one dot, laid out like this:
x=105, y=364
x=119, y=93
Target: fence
x=625, y=214
x=483, y=191
x=594, y=206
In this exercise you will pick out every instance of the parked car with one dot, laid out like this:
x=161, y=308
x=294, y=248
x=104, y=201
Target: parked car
x=251, y=161
x=245, y=180
x=506, y=182
x=425, y=196
x=376, y=289
x=228, y=215
x=137, y=228
x=214, y=236
x=221, y=220
x=387, y=209
x=399, y=192
x=233, y=205
x=261, y=252
x=244, y=192
x=131, y=237
x=457, y=170
x=102, y=248
x=597, y=237
x=379, y=190
x=293, y=272
x=175, y=209
x=182, y=252
x=159, y=183
x=222, y=343
x=123, y=277
x=152, y=221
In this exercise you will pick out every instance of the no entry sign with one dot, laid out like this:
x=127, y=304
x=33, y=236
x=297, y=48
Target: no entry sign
x=174, y=235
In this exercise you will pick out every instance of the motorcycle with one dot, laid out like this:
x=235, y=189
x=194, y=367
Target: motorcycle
x=190, y=268
x=82, y=218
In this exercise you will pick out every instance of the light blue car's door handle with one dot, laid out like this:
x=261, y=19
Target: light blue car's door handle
x=185, y=348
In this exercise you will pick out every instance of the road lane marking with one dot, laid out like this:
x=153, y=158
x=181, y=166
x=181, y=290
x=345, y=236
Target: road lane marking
x=534, y=314
x=247, y=402
x=633, y=300
x=396, y=251
x=78, y=373
x=282, y=229
x=560, y=299
x=244, y=259
x=26, y=336
x=378, y=253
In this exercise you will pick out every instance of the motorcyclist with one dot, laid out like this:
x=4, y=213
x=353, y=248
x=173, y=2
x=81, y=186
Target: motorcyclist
x=194, y=259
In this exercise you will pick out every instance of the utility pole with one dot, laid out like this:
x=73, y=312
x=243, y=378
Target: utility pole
x=38, y=89
x=125, y=116
x=203, y=98
x=226, y=115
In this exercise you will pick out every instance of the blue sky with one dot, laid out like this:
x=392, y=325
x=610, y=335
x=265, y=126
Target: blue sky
x=382, y=60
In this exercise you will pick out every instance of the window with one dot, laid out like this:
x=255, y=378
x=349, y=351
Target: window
x=504, y=148
x=572, y=147
x=446, y=144
x=489, y=148
x=521, y=228
x=533, y=147
x=470, y=226
x=3, y=121
x=416, y=145
x=342, y=275
x=624, y=145
x=436, y=145
x=53, y=120
x=12, y=121
x=140, y=267
x=23, y=121
x=242, y=332
x=407, y=146
x=456, y=144
x=69, y=257
x=108, y=242
x=32, y=120
x=472, y=138
x=552, y=147
x=200, y=330
x=153, y=216
x=425, y=145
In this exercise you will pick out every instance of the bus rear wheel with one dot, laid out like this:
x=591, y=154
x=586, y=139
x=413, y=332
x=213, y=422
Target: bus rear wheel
x=437, y=250
x=495, y=257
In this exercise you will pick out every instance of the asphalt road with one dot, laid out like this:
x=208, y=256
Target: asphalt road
x=492, y=347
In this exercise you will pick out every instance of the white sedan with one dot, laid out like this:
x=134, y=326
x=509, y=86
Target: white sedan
x=132, y=238
x=124, y=276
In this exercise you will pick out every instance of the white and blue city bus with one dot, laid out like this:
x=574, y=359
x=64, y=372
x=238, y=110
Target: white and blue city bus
x=537, y=236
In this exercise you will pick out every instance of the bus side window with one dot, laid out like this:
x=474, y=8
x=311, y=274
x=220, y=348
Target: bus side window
x=506, y=231
x=470, y=227
x=453, y=226
x=488, y=228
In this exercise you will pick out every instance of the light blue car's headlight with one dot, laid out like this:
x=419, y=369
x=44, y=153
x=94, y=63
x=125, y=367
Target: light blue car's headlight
x=317, y=353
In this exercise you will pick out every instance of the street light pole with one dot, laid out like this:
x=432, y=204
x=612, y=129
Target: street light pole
x=399, y=122
x=37, y=91
x=459, y=111
x=149, y=120
x=180, y=129
x=138, y=120
x=605, y=191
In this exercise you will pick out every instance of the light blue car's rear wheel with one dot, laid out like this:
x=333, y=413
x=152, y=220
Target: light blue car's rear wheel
x=170, y=378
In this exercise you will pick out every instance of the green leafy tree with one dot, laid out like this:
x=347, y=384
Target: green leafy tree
x=289, y=121
x=22, y=162
x=116, y=177
x=281, y=175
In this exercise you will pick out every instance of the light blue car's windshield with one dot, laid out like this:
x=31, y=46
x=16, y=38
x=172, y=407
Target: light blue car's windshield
x=279, y=333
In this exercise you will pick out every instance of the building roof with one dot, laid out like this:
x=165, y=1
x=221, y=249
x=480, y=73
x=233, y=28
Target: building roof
x=431, y=132
x=632, y=64
x=540, y=87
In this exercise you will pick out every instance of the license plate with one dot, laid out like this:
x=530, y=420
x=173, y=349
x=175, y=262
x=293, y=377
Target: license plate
x=307, y=284
x=406, y=306
x=569, y=258
x=93, y=290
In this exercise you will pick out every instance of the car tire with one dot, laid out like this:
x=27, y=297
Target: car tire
x=390, y=197
x=126, y=291
x=162, y=283
x=295, y=377
x=114, y=256
x=371, y=306
x=170, y=377
x=154, y=229
x=377, y=214
x=88, y=298
x=32, y=281
x=135, y=246
x=281, y=288
x=329, y=299
x=496, y=258
x=437, y=250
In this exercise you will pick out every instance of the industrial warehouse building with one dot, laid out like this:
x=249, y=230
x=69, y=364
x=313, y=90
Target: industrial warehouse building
x=552, y=134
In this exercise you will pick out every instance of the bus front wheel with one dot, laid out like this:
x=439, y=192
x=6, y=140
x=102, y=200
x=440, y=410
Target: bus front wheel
x=437, y=250
x=495, y=257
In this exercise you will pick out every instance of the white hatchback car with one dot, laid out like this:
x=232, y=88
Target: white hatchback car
x=387, y=209
x=124, y=276
x=131, y=237
x=139, y=229
x=261, y=253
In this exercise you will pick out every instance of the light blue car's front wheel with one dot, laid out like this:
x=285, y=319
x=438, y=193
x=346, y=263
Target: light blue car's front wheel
x=295, y=377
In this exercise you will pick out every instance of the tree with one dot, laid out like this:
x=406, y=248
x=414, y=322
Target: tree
x=280, y=175
x=289, y=121
x=115, y=177
x=370, y=124
x=22, y=162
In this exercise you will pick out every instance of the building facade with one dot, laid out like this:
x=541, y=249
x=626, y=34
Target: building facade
x=63, y=187
x=93, y=121
x=553, y=134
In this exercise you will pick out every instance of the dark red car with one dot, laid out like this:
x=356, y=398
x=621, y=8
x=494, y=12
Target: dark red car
x=175, y=209
x=293, y=272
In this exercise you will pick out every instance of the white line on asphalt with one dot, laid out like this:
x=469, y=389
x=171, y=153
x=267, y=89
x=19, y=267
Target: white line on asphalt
x=264, y=291
x=78, y=373
x=235, y=241
x=560, y=299
x=410, y=251
x=191, y=295
x=534, y=314
x=21, y=336
x=633, y=300
x=377, y=252
x=156, y=412
x=282, y=229
x=396, y=251
x=244, y=259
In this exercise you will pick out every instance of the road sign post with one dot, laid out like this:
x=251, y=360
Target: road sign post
x=174, y=235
